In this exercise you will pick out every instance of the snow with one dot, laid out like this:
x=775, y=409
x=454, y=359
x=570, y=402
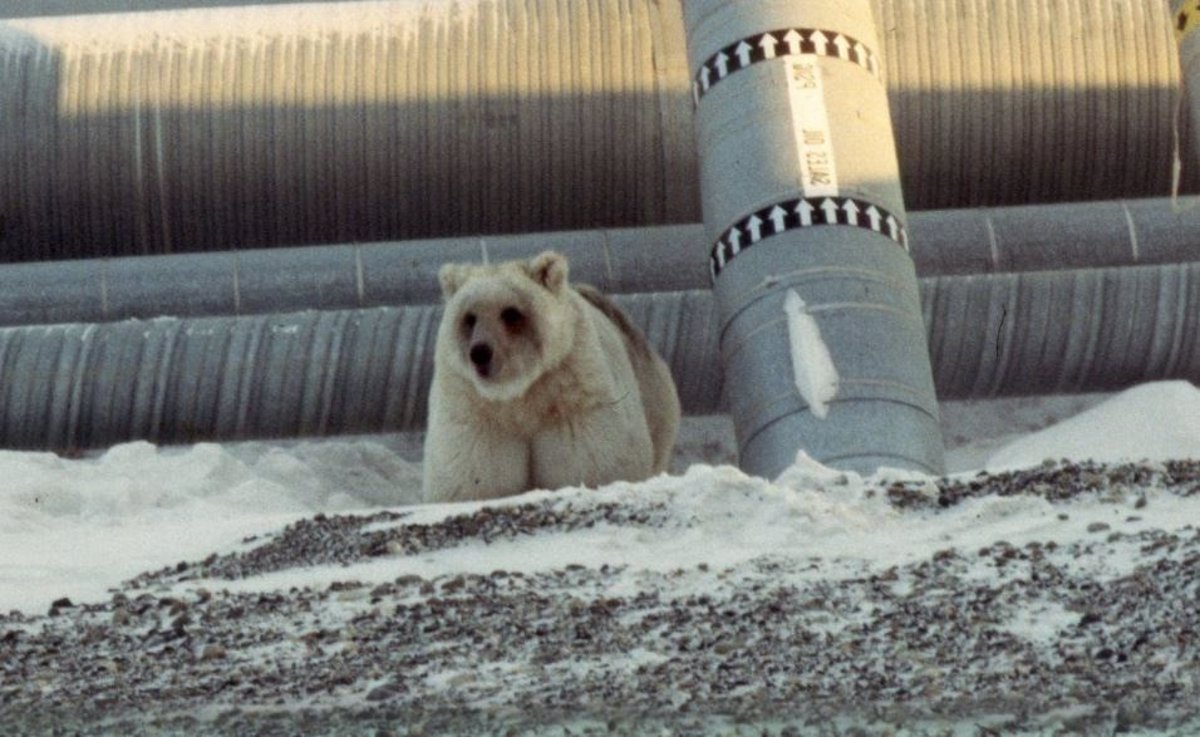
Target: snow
x=812, y=367
x=1152, y=422
x=79, y=527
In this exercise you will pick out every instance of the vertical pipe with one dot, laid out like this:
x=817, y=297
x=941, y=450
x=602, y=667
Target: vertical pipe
x=821, y=334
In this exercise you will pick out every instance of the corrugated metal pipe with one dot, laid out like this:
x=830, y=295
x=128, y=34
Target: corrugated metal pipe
x=1125, y=308
x=209, y=129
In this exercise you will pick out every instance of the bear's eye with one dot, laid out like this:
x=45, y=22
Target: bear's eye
x=469, y=320
x=512, y=317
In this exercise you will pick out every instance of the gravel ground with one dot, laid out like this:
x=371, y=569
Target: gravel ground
x=931, y=647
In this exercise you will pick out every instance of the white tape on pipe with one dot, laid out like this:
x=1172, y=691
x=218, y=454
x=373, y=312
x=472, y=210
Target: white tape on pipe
x=810, y=122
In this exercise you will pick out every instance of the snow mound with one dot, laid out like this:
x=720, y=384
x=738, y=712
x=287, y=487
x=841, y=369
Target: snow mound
x=84, y=524
x=1153, y=422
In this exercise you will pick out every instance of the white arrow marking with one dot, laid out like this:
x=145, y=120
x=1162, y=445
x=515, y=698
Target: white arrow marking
x=778, y=217
x=721, y=258
x=851, y=208
x=820, y=42
x=755, y=225
x=893, y=228
x=831, y=210
x=805, y=210
x=722, y=65
x=705, y=78
x=735, y=241
x=743, y=54
x=860, y=53
x=793, y=39
x=843, y=46
x=874, y=216
x=768, y=44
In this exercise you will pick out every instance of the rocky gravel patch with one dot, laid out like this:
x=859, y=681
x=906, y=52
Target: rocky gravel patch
x=1004, y=637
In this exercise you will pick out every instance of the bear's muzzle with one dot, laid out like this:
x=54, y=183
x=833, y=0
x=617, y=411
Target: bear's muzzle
x=481, y=357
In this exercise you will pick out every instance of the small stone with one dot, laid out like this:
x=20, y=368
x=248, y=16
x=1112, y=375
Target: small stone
x=213, y=652
x=383, y=693
x=1099, y=527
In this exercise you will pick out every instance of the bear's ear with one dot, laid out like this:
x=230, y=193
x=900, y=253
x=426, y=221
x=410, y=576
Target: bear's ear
x=451, y=277
x=549, y=268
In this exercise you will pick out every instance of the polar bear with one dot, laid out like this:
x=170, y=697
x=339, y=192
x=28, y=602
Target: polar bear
x=539, y=384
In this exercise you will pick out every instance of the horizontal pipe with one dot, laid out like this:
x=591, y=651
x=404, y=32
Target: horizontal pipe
x=367, y=370
x=43, y=8
x=207, y=129
x=627, y=260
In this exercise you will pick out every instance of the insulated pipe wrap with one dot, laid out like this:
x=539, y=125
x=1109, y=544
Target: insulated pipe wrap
x=1027, y=101
x=187, y=130
x=72, y=386
x=228, y=128
x=801, y=196
x=173, y=380
x=657, y=259
x=1063, y=331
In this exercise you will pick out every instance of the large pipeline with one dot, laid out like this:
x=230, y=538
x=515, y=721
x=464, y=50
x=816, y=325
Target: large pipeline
x=367, y=370
x=999, y=320
x=668, y=258
x=210, y=129
x=821, y=337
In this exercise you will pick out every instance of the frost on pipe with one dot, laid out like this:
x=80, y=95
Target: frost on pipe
x=800, y=193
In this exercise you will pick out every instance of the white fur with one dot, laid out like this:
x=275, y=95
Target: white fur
x=564, y=405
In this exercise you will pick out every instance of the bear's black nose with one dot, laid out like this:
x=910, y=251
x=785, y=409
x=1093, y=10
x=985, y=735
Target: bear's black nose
x=481, y=354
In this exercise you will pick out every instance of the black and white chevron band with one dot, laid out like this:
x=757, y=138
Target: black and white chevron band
x=783, y=42
x=803, y=212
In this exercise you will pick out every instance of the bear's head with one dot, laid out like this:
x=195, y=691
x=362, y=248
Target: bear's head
x=506, y=324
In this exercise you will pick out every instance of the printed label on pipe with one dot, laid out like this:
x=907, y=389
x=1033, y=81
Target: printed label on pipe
x=810, y=122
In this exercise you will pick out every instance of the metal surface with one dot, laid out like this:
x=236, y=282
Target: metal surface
x=183, y=380
x=261, y=126
x=783, y=133
x=658, y=259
